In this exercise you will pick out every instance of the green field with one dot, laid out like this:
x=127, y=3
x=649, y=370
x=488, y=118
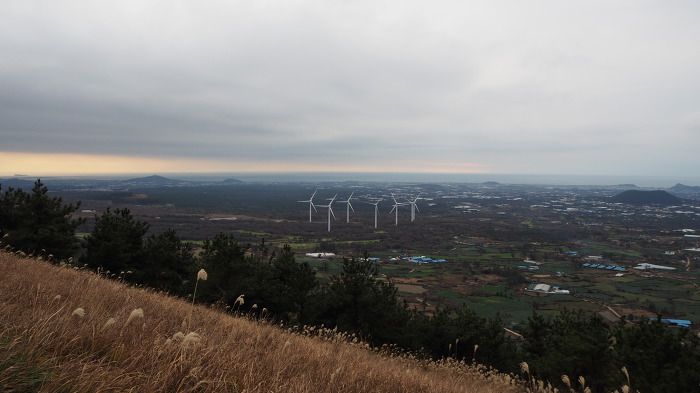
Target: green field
x=592, y=289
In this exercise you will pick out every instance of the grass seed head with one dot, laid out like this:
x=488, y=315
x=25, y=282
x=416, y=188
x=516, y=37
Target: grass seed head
x=524, y=367
x=627, y=374
x=191, y=338
x=239, y=301
x=179, y=336
x=202, y=275
x=79, y=312
x=137, y=313
x=565, y=379
x=109, y=322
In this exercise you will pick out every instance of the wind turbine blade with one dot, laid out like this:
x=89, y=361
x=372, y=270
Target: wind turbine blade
x=392, y=209
x=350, y=204
x=314, y=206
x=417, y=209
x=331, y=210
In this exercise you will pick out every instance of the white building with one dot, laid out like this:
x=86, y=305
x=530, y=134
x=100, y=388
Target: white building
x=547, y=289
x=320, y=254
x=649, y=266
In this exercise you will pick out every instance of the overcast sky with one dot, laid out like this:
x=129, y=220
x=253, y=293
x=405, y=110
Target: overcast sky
x=497, y=86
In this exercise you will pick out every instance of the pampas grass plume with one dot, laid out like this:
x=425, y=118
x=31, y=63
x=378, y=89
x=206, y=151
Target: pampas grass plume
x=524, y=367
x=179, y=336
x=239, y=300
x=191, y=338
x=79, y=312
x=109, y=322
x=202, y=275
x=627, y=374
x=137, y=313
x=565, y=379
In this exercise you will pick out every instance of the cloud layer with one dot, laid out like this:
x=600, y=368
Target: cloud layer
x=501, y=86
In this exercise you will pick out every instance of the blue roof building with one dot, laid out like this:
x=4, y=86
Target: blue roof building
x=675, y=322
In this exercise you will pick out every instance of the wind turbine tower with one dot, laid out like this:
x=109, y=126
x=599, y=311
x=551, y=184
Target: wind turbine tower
x=311, y=204
x=396, y=209
x=414, y=207
x=376, y=209
x=330, y=211
x=349, y=206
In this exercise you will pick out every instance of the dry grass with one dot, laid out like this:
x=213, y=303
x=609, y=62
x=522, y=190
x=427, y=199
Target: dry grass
x=131, y=339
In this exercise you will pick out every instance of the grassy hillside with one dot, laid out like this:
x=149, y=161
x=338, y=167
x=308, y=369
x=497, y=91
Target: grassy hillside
x=63, y=330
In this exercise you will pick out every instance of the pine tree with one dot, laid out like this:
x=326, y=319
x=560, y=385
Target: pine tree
x=38, y=224
x=358, y=301
x=288, y=285
x=116, y=242
x=230, y=272
x=167, y=263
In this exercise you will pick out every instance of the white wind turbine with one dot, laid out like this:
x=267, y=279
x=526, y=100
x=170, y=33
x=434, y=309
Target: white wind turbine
x=348, y=207
x=396, y=208
x=376, y=209
x=414, y=207
x=311, y=204
x=330, y=211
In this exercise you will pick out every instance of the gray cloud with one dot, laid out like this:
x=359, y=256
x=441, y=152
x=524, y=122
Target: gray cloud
x=593, y=87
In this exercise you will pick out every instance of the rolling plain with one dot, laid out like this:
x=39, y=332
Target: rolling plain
x=497, y=239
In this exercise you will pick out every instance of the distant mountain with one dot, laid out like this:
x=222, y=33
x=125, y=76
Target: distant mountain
x=683, y=187
x=491, y=183
x=150, y=180
x=155, y=181
x=637, y=197
x=686, y=192
x=232, y=181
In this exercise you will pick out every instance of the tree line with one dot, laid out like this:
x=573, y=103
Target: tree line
x=257, y=279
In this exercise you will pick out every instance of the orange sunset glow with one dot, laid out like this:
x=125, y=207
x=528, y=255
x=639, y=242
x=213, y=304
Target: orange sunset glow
x=55, y=164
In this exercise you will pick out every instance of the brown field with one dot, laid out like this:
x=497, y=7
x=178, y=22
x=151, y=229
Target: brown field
x=74, y=331
x=410, y=288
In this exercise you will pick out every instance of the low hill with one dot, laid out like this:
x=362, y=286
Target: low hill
x=638, y=197
x=683, y=187
x=684, y=191
x=153, y=179
x=68, y=330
